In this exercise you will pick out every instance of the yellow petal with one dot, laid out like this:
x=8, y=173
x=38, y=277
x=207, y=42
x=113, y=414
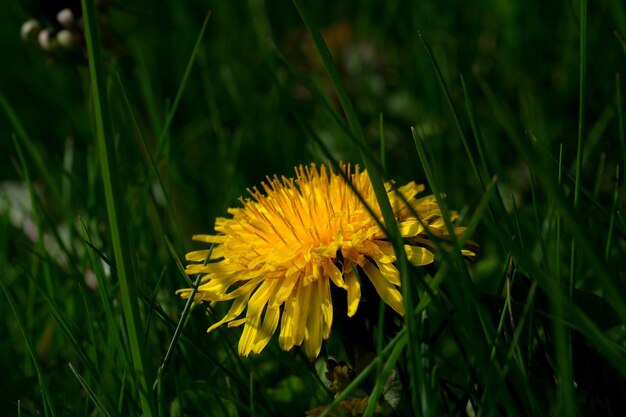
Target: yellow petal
x=390, y=273
x=332, y=272
x=238, y=322
x=327, y=306
x=235, y=309
x=184, y=292
x=285, y=290
x=386, y=248
x=209, y=238
x=286, y=338
x=301, y=313
x=270, y=322
x=248, y=336
x=410, y=228
x=261, y=297
x=197, y=256
x=246, y=288
x=252, y=331
x=418, y=255
x=313, y=329
x=354, y=290
x=384, y=288
x=374, y=251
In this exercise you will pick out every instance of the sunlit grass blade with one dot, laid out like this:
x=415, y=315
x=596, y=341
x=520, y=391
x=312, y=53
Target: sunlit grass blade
x=379, y=189
x=115, y=210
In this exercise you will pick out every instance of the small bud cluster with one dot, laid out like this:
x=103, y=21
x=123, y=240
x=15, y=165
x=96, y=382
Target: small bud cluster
x=66, y=34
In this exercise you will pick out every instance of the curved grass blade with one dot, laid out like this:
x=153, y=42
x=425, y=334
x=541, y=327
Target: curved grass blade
x=101, y=408
x=45, y=394
x=371, y=165
x=183, y=83
x=179, y=328
x=115, y=210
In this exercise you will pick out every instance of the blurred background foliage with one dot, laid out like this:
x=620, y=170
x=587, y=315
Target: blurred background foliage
x=240, y=114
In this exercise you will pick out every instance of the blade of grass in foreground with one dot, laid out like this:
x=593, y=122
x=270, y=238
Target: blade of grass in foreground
x=471, y=331
x=47, y=404
x=566, y=403
x=620, y=117
x=183, y=83
x=90, y=392
x=378, y=186
x=114, y=199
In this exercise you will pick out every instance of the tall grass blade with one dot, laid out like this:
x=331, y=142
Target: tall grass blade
x=378, y=186
x=619, y=103
x=92, y=394
x=37, y=216
x=48, y=408
x=455, y=117
x=149, y=157
x=115, y=210
x=183, y=83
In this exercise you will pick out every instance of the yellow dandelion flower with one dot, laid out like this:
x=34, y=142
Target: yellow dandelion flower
x=277, y=256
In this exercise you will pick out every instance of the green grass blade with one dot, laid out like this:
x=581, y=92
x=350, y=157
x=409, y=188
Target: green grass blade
x=96, y=258
x=579, y=147
x=609, y=238
x=152, y=163
x=381, y=132
x=620, y=117
x=37, y=215
x=582, y=88
x=48, y=408
x=455, y=117
x=475, y=320
x=379, y=190
x=377, y=391
x=99, y=405
x=114, y=203
x=181, y=88
x=565, y=388
x=179, y=328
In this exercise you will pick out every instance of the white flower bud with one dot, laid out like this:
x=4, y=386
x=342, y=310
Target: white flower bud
x=46, y=40
x=66, y=18
x=30, y=30
x=66, y=38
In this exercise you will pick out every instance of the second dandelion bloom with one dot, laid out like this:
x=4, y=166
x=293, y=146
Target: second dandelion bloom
x=277, y=256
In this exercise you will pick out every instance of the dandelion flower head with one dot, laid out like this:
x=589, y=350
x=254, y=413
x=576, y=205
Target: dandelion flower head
x=277, y=256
